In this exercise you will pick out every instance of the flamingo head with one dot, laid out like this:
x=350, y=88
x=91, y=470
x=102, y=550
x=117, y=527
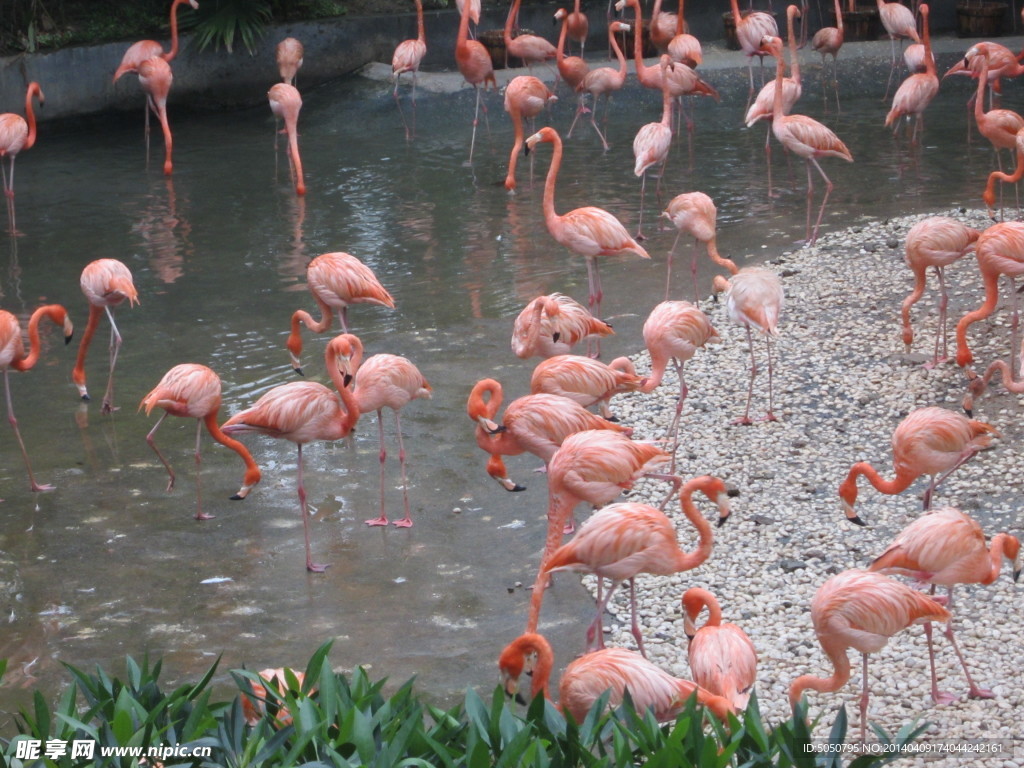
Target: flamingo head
x=976, y=386
x=847, y=498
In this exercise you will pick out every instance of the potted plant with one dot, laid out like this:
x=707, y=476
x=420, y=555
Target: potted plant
x=860, y=22
x=982, y=18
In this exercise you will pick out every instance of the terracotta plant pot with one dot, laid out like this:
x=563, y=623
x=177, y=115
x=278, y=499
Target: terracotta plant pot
x=981, y=19
x=861, y=24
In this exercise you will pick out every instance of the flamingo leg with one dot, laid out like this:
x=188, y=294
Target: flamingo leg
x=974, y=691
x=668, y=271
x=640, y=222
x=594, y=300
x=1014, y=322
x=405, y=522
x=310, y=565
x=593, y=122
x=151, y=440
x=200, y=515
x=381, y=519
x=824, y=200
x=580, y=109
x=943, y=304
x=595, y=630
x=635, y=625
x=864, y=701
x=476, y=117
x=17, y=433
x=745, y=418
x=770, y=415
x=674, y=429
x=965, y=455
x=115, y=346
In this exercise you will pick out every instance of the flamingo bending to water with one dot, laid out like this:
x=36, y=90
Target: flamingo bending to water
x=289, y=54
x=695, y=213
x=722, y=657
x=285, y=103
x=155, y=78
x=552, y=325
x=525, y=96
x=147, y=49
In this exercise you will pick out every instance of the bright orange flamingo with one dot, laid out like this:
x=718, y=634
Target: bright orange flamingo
x=935, y=242
x=525, y=96
x=106, y=283
x=695, y=213
x=155, y=78
x=652, y=142
x=750, y=29
x=303, y=411
x=285, y=103
x=572, y=69
x=827, y=41
x=537, y=424
x=589, y=232
x=147, y=49
x=722, y=657
x=17, y=134
x=602, y=81
x=899, y=23
x=474, y=63
x=387, y=381
x=591, y=675
x=585, y=380
x=193, y=391
x=579, y=26
x=674, y=331
x=623, y=540
x=407, y=57
x=684, y=47
x=12, y=356
x=989, y=195
x=289, y=54
x=860, y=610
x=531, y=49
x=336, y=280
x=754, y=301
x=947, y=547
x=552, y=325
x=999, y=251
x=593, y=466
x=929, y=441
x=803, y=136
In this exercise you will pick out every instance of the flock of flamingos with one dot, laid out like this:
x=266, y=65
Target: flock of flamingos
x=590, y=457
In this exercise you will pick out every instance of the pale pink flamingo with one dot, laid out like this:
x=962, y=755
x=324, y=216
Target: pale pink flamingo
x=288, y=54
x=722, y=657
x=989, y=195
x=675, y=330
x=929, y=441
x=1002, y=62
x=12, y=356
x=106, y=283
x=860, y=610
x=946, y=547
x=552, y=325
x=589, y=232
x=999, y=126
x=407, y=57
x=525, y=96
x=602, y=81
x=472, y=7
x=899, y=23
x=303, y=411
x=935, y=242
x=662, y=27
x=531, y=49
x=285, y=103
x=652, y=143
x=474, y=63
x=684, y=47
x=387, y=381
x=917, y=91
x=999, y=251
x=537, y=424
x=594, y=466
x=17, y=134
x=579, y=26
x=827, y=41
x=695, y=214
x=336, y=280
x=585, y=380
x=915, y=57
x=193, y=391
x=623, y=540
x=804, y=137
x=754, y=300
x=750, y=30
x=587, y=678
x=572, y=69
x=155, y=78
x=147, y=49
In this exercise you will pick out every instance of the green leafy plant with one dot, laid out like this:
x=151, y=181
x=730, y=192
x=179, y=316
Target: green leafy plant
x=218, y=23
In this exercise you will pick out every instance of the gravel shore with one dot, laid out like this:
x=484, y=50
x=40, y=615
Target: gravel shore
x=842, y=384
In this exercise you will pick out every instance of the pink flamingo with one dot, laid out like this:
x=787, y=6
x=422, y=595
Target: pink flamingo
x=147, y=49
x=12, y=356
x=722, y=657
x=106, y=283
x=585, y=380
x=977, y=385
x=999, y=126
x=530, y=48
x=623, y=540
x=860, y=610
x=474, y=63
x=572, y=69
x=652, y=142
x=602, y=81
x=587, y=678
x=917, y=91
x=407, y=57
x=750, y=29
x=935, y=242
x=684, y=47
x=193, y=391
x=525, y=96
x=336, y=280
x=303, y=411
x=289, y=54
x=929, y=441
x=579, y=26
x=589, y=232
x=899, y=23
x=1002, y=62
x=754, y=300
x=17, y=134
x=947, y=547
x=537, y=424
x=663, y=27
x=285, y=103
x=827, y=41
x=155, y=78
x=552, y=325
x=695, y=214
x=989, y=195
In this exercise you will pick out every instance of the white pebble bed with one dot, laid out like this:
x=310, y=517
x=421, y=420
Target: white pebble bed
x=842, y=383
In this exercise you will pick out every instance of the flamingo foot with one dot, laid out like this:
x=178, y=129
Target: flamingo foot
x=38, y=487
x=744, y=420
x=941, y=698
x=382, y=520
x=980, y=693
x=569, y=528
x=405, y=522
x=316, y=567
x=204, y=516
x=935, y=363
x=769, y=417
x=109, y=408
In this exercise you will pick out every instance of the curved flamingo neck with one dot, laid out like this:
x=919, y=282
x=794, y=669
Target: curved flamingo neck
x=252, y=470
x=697, y=599
x=736, y=15
x=463, y=34
x=302, y=317
x=991, y=280
x=680, y=24
x=30, y=115
x=638, y=52
x=57, y=315
x=560, y=48
x=348, y=399
x=719, y=259
x=544, y=660
x=480, y=407
x=794, y=58
x=174, y=30
x=997, y=551
x=840, y=675
x=510, y=21
x=550, y=217
x=929, y=60
x=291, y=127
x=78, y=374
x=619, y=54
x=839, y=19
x=421, y=33
x=979, y=99
x=686, y=561
x=898, y=484
x=659, y=363
x=780, y=74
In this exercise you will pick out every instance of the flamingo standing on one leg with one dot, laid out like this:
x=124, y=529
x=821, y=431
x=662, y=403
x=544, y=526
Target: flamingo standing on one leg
x=602, y=81
x=525, y=96
x=193, y=391
x=407, y=57
x=585, y=380
x=935, y=242
x=695, y=214
x=929, y=441
x=285, y=103
x=12, y=356
x=652, y=142
x=289, y=54
x=827, y=41
x=155, y=78
x=336, y=280
x=552, y=325
x=623, y=540
x=754, y=300
x=474, y=63
x=147, y=49
x=860, y=610
x=899, y=23
x=303, y=411
x=17, y=134
x=947, y=547
x=722, y=657
x=917, y=91
x=106, y=283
